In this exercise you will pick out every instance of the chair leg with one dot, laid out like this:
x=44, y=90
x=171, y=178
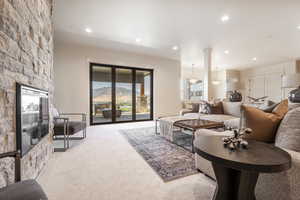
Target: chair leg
x=84, y=132
x=83, y=128
x=68, y=139
x=65, y=136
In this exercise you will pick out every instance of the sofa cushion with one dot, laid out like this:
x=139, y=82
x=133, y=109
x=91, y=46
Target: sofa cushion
x=74, y=127
x=25, y=190
x=288, y=134
x=185, y=111
x=233, y=123
x=216, y=108
x=293, y=105
x=216, y=117
x=263, y=125
x=232, y=108
x=192, y=115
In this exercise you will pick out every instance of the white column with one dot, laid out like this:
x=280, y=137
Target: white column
x=207, y=73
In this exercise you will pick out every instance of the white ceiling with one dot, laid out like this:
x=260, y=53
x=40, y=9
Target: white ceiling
x=265, y=29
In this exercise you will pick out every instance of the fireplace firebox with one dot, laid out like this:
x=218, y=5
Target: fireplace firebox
x=32, y=117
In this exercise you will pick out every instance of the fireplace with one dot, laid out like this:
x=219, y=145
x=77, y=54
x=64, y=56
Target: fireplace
x=32, y=117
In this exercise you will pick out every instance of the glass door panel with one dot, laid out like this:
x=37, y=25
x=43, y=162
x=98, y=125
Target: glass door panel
x=143, y=94
x=101, y=94
x=123, y=94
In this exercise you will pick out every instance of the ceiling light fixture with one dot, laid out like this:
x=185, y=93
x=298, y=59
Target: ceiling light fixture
x=224, y=18
x=226, y=52
x=138, y=40
x=216, y=82
x=298, y=27
x=88, y=30
x=175, y=48
x=254, y=59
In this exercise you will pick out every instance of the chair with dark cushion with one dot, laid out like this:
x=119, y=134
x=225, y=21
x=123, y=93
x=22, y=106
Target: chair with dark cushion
x=25, y=190
x=64, y=128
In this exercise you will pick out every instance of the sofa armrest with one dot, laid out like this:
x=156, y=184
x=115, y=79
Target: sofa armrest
x=185, y=111
x=212, y=133
x=281, y=186
x=295, y=157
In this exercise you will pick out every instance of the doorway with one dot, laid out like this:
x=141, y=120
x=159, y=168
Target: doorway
x=120, y=94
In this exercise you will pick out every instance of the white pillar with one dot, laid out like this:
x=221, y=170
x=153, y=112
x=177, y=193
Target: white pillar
x=207, y=73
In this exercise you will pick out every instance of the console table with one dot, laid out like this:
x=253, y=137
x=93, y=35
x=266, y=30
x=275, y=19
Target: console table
x=237, y=171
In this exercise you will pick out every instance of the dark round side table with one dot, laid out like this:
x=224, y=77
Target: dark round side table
x=237, y=171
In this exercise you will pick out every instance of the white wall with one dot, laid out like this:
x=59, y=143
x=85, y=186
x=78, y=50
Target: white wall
x=71, y=76
x=266, y=80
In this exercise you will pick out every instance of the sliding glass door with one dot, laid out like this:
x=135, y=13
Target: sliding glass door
x=124, y=89
x=101, y=81
x=143, y=94
x=120, y=94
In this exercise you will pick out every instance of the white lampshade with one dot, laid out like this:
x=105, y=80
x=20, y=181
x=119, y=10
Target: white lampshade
x=193, y=80
x=216, y=82
x=291, y=81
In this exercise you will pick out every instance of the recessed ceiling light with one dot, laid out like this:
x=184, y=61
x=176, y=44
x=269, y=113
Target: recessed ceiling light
x=88, y=30
x=138, y=39
x=226, y=52
x=175, y=48
x=254, y=59
x=224, y=18
x=298, y=27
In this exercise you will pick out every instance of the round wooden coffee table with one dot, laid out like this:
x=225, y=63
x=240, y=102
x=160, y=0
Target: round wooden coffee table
x=237, y=171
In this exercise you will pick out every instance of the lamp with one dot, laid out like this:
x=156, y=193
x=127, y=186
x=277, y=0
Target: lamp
x=216, y=82
x=232, y=87
x=193, y=80
x=292, y=81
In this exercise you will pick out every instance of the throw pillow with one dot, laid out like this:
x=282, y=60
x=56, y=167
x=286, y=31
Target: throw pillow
x=263, y=125
x=204, y=107
x=268, y=106
x=216, y=108
x=282, y=108
x=195, y=107
x=187, y=105
x=288, y=134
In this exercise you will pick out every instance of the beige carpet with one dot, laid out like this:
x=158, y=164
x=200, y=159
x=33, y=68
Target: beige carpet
x=106, y=167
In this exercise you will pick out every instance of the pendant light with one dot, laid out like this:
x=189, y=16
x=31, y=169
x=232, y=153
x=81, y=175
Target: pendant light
x=193, y=80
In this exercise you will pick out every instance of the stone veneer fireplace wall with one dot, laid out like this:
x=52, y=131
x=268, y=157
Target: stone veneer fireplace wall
x=26, y=51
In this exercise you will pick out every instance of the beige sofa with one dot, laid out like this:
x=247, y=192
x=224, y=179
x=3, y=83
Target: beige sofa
x=279, y=186
x=231, y=116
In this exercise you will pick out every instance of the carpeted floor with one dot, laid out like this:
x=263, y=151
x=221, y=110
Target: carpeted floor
x=167, y=159
x=105, y=166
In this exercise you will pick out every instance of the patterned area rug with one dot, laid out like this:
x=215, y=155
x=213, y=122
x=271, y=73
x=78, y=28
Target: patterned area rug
x=168, y=160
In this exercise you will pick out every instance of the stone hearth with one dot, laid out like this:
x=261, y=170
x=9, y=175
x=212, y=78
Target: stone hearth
x=26, y=50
